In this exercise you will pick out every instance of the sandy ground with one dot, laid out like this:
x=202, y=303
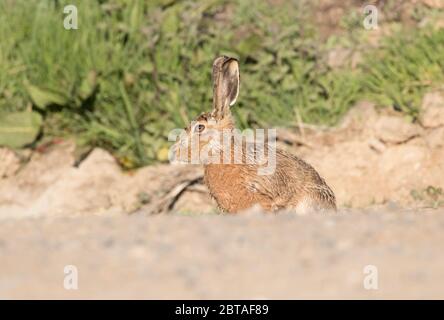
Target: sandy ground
x=247, y=256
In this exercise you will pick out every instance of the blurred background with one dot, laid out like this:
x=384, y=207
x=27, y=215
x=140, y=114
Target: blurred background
x=134, y=69
x=84, y=119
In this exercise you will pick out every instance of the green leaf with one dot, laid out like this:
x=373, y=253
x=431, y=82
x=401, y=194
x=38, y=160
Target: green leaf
x=45, y=97
x=88, y=86
x=249, y=45
x=19, y=129
x=135, y=16
x=171, y=21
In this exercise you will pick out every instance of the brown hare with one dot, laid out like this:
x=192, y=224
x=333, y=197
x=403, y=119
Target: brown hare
x=238, y=185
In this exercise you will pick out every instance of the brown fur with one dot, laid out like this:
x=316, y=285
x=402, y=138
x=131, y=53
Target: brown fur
x=238, y=186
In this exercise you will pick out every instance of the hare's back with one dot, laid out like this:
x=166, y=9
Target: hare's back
x=302, y=183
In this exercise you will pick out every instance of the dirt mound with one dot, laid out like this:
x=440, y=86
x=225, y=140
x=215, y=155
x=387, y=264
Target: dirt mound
x=375, y=157
x=50, y=184
x=372, y=157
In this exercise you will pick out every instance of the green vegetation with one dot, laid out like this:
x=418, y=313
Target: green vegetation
x=136, y=69
x=404, y=69
x=431, y=196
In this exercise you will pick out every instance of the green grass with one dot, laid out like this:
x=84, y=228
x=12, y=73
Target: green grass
x=136, y=69
x=404, y=69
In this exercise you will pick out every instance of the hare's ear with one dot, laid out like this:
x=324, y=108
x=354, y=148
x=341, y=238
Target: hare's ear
x=226, y=82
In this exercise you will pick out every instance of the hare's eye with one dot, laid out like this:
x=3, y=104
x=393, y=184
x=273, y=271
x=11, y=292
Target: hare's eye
x=199, y=128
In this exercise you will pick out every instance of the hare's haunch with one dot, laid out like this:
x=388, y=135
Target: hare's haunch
x=235, y=180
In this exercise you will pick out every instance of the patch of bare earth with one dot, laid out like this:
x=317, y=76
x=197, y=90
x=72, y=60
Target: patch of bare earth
x=378, y=157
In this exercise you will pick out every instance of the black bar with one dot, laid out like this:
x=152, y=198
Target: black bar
x=223, y=309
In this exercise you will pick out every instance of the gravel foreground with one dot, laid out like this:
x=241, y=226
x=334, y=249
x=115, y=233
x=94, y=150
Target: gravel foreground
x=250, y=256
